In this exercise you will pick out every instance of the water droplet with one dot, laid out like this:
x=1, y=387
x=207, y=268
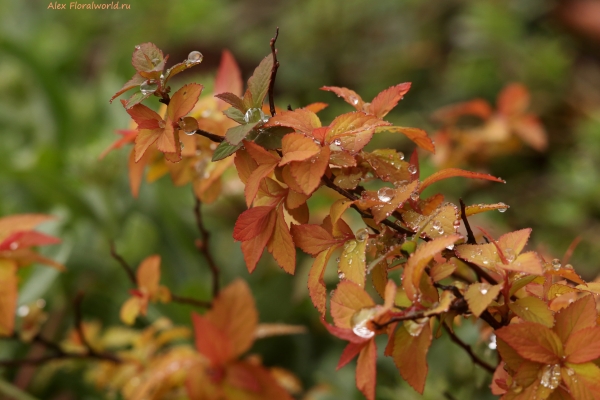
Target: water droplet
x=437, y=225
x=492, y=344
x=337, y=142
x=182, y=145
x=23, y=311
x=137, y=47
x=415, y=327
x=188, y=125
x=504, y=207
x=213, y=146
x=568, y=266
x=478, y=252
x=349, y=246
x=570, y=372
x=254, y=115
x=441, y=231
x=414, y=196
x=456, y=224
x=483, y=291
x=148, y=87
x=350, y=261
x=556, y=264
x=516, y=388
x=509, y=254
x=194, y=57
x=450, y=247
x=14, y=245
x=401, y=155
x=155, y=61
x=337, y=260
x=353, y=100
x=342, y=276
x=485, y=262
x=550, y=376
x=385, y=194
x=412, y=169
x=362, y=235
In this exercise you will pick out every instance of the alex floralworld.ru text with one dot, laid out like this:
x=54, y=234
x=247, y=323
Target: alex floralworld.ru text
x=74, y=5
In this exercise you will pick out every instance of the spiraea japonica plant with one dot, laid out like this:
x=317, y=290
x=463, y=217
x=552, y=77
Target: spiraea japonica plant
x=412, y=272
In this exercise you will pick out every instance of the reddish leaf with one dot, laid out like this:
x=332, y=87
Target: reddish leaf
x=281, y=245
x=346, y=301
x=579, y=315
x=316, y=286
x=583, y=345
x=385, y=101
x=8, y=296
x=533, y=342
x=234, y=313
x=366, y=371
x=183, y=101
x=259, y=81
x=297, y=147
x=350, y=96
x=302, y=120
x=25, y=239
x=232, y=99
x=350, y=351
x=148, y=274
x=478, y=108
x=210, y=340
x=135, y=81
x=254, y=247
x=343, y=333
x=307, y=173
x=313, y=239
x=410, y=355
x=514, y=99
x=455, y=172
x=419, y=260
x=418, y=136
x=252, y=222
x=229, y=78
x=144, y=117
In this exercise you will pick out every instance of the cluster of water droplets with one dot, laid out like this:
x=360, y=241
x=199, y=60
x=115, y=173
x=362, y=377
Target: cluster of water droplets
x=550, y=376
x=362, y=234
x=509, y=254
x=437, y=225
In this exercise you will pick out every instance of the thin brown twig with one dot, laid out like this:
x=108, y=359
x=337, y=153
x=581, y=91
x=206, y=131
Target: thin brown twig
x=273, y=73
x=469, y=350
x=204, y=248
x=133, y=279
x=211, y=136
x=121, y=260
x=463, y=215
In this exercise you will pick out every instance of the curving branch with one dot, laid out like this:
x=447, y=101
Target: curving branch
x=203, y=246
x=463, y=215
x=273, y=73
x=469, y=350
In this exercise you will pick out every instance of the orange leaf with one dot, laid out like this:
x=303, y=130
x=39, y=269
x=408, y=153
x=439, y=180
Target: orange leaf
x=352, y=265
x=350, y=96
x=352, y=123
x=234, y=314
x=148, y=274
x=410, y=355
x=130, y=310
x=8, y=296
x=244, y=164
x=21, y=222
x=513, y=99
x=455, y=172
x=254, y=180
x=307, y=173
x=533, y=342
x=449, y=114
x=583, y=345
x=350, y=351
x=183, y=101
x=531, y=131
x=210, y=341
x=480, y=295
x=316, y=286
x=583, y=380
x=254, y=247
x=316, y=107
x=419, y=260
x=251, y=223
x=282, y=245
x=366, y=371
x=313, y=239
x=347, y=299
x=297, y=147
x=385, y=101
x=514, y=240
x=418, y=136
x=302, y=120
x=532, y=309
x=578, y=315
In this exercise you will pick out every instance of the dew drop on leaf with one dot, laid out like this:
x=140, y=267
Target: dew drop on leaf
x=401, y=155
x=337, y=142
x=254, y=115
x=503, y=208
x=359, y=322
x=492, y=344
x=568, y=266
x=194, y=57
x=509, y=254
x=188, y=125
x=437, y=225
x=412, y=169
x=385, y=194
x=342, y=276
x=414, y=196
x=556, y=264
x=362, y=235
x=354, y=100
x=148, y=87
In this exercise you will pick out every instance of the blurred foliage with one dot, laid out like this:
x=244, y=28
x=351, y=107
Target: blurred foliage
x=59, y=68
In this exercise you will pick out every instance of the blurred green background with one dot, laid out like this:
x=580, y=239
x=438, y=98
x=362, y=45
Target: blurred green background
x=58, y=68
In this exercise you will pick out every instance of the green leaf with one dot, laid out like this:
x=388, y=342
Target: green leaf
x=258, y=84
x=238, y=133
x=235, y=114
x=224, y=150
